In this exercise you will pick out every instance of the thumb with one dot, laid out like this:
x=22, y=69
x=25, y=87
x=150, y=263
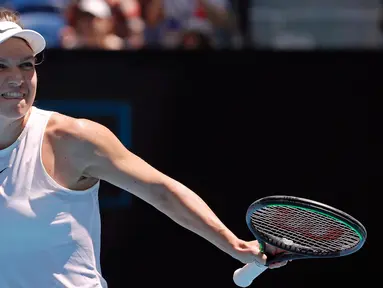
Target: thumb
x=260, y=258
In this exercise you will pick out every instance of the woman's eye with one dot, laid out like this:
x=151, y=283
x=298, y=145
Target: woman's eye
x=27, y=65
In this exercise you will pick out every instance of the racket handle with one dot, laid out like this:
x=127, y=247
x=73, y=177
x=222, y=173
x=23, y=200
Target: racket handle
x=244, y=276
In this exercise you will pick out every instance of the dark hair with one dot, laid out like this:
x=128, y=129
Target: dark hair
x=9, y=15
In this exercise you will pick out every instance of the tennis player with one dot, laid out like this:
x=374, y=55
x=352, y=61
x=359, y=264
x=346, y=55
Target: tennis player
x=51, y=166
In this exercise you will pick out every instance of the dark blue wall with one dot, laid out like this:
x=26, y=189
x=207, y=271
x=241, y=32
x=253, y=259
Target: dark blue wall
x=232, y=127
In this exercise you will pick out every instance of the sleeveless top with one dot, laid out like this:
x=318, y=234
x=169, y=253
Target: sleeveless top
x=50, y=235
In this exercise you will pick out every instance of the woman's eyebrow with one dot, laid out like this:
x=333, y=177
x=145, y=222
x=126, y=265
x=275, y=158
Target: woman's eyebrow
x=28, y=58
x=21, y=60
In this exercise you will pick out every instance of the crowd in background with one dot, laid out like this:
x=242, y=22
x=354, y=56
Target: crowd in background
x=130, y=24
x=203, y=24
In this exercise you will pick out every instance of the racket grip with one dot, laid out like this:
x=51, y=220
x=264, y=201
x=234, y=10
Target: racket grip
x=244, y=276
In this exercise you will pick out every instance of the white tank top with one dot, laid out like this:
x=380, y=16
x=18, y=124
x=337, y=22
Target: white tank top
x=50, y=235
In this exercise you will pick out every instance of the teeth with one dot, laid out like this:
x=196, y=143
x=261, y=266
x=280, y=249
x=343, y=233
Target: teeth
x=12, y=95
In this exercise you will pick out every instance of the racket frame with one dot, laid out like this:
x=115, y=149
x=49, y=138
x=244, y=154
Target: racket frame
x=281, y=200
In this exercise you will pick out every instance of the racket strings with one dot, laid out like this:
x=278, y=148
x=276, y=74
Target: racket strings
x=299, y=240
x=316, y=226
x=312, y=223
x=317, y=221
x=307, y=229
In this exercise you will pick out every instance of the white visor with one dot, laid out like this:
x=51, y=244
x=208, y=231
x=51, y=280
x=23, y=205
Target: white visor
x=10, y=29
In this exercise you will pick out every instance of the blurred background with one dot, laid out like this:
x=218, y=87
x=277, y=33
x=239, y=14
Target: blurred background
x=197, y=24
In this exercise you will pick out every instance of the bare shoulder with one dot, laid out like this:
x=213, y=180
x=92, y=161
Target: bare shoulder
x=83, y=139
x=60, y=126
x=77, y=139
x=95, y=152
x=68, y=149
x=70, y=130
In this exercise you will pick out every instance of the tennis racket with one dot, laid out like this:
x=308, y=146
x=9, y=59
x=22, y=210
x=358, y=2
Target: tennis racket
x=303, y=228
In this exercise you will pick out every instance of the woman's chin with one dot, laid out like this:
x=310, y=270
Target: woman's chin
x=14, y=108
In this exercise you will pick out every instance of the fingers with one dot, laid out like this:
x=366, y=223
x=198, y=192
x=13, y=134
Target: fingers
x=263, y=258
x=260, y=257
x=248, y=252
x=257, y=256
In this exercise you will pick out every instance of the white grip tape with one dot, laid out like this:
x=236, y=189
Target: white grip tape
x=244, y=276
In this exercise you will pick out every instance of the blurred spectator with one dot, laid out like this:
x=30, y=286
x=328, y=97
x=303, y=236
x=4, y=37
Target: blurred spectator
x=214, y=20
x=169, y=21
x=90, y=26
x=196, y=40
x=128, y=23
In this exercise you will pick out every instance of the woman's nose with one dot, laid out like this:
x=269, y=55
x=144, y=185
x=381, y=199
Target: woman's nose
x=15, y=81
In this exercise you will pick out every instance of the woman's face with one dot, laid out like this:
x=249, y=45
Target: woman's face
x=18, y=79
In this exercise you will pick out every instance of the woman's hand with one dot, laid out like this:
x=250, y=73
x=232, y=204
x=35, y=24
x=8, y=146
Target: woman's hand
x=249, y=251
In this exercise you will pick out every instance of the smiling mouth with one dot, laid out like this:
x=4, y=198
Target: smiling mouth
x=13, y=95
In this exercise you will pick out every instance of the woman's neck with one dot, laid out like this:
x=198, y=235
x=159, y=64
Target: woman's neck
x=10, y=129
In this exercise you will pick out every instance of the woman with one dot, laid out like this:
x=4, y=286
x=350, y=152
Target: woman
x=51, y=166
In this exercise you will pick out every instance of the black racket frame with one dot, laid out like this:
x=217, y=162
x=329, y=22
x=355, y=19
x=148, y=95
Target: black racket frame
x=291, y=253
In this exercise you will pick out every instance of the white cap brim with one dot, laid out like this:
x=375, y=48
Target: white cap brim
x=10, y=29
